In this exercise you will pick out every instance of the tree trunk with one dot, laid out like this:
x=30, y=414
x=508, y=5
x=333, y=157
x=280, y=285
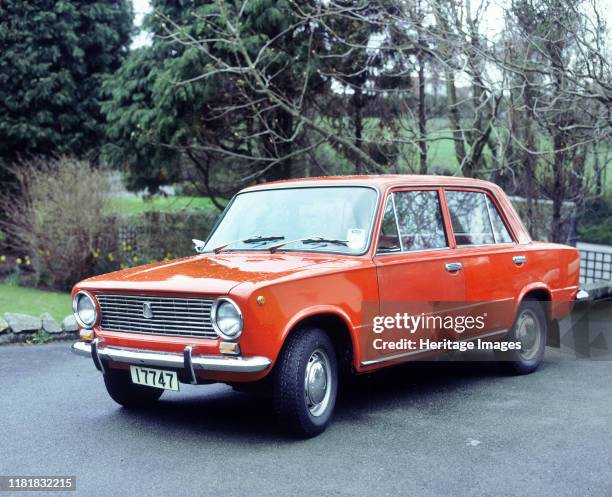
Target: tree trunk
x=598, y=172
x=558, y=192
x=451, y=89
x=455, y=122
x=422, y=115
x=529, y=160
x=358, y=124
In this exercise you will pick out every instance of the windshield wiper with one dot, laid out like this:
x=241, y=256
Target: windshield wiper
x=320, y=239
x=255, y=239
x=307, y=241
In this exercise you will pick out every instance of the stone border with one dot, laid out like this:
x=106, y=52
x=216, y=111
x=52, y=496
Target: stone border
x=20, y=328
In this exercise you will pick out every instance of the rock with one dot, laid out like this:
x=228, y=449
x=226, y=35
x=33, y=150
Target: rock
x=69, y=324
x=49, y=324
x=4, y=326
x=22, y=322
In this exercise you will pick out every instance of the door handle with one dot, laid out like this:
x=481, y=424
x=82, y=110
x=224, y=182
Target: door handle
x=453, y=267
x=519, y=260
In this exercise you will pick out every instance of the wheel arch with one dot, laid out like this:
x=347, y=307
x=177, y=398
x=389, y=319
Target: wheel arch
x=336, y=324
x=538, y=292
x=543, y=294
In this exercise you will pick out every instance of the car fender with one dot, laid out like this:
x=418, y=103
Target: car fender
x=315, y=310
x=538, y=285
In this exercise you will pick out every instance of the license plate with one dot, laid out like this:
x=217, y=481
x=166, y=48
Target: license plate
x=158, y=378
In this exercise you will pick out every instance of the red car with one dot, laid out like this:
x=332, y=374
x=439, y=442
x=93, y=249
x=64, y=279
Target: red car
x=303, y=281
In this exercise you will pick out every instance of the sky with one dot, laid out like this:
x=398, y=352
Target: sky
x=491, y=25
x=141, y=7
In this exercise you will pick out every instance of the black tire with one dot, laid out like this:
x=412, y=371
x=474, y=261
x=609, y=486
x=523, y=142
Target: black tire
x=308, y=351
x=531, y=316
x=121, y=389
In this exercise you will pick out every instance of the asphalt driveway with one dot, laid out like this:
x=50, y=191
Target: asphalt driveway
x=452, y=429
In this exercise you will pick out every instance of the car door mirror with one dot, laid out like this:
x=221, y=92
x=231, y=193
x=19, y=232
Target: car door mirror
x=198, y=246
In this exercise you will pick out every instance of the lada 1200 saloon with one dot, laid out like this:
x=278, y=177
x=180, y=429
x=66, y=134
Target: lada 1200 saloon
x=303, y=282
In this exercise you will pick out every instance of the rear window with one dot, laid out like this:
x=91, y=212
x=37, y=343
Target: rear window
x=470, y=217
x=501, y=233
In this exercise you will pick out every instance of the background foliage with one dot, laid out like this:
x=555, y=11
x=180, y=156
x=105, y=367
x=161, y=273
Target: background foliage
x=54, y=56
x=227, y=93
x=57, y=219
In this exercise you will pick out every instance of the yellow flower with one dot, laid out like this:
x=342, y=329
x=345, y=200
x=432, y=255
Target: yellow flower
x=18, y=261
x=110, y=257
x=2, y=258
x=135, y=258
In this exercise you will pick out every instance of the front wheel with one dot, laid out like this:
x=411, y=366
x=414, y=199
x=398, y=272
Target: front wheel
x=530, y=329
x=121, y=389
x=306, y=382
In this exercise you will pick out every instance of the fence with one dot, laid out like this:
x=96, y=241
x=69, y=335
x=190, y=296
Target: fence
x=595, y=266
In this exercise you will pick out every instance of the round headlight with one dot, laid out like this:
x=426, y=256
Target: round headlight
x=226, y=319
x=84, y=309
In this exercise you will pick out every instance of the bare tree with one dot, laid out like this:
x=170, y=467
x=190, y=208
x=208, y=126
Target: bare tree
x=560, y=103
x=355, y=55
x=526, y=107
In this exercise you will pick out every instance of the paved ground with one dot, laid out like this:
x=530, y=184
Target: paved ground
x=449, y=429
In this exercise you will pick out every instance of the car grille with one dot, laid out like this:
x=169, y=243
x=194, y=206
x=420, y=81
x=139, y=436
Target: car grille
x=184, y=317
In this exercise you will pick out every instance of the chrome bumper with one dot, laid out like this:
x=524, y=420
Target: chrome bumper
x=582, y=295
x=185, y=360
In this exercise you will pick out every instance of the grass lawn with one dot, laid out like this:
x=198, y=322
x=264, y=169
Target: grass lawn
x=137, y=205
x=34, y=302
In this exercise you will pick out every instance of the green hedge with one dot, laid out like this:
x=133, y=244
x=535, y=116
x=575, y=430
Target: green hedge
x=152, y=237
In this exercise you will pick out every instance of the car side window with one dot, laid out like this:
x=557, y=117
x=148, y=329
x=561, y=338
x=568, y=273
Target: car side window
x=501, y=233
x=419, y=218
x=470, y=217
x=388, y=240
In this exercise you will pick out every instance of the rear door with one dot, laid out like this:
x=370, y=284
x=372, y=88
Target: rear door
x=493, y=264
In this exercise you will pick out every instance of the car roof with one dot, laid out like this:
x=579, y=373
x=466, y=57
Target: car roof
x=381, y=181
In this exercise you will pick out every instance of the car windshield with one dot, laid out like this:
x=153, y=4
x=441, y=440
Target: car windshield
x=326, y=219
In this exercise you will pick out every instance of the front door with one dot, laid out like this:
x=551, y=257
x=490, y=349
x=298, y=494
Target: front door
x=418, y=271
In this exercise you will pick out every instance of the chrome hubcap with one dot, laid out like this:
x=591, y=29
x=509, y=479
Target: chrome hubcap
x=317, y=382
x=528, y=333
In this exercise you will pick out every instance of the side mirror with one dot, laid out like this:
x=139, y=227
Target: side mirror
x=198, y=246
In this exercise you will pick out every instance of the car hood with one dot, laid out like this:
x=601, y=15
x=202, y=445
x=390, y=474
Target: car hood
x=207, y=273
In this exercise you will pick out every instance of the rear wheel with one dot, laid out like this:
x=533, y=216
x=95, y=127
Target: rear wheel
x=121, y=389
x=306, y=382
x=530, y=328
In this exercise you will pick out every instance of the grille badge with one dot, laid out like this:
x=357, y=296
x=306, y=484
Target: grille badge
x=147, y=311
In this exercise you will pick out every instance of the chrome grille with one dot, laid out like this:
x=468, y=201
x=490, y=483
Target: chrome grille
x=185, y=317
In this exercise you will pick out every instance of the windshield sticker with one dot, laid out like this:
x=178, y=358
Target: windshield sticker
x=356, y=238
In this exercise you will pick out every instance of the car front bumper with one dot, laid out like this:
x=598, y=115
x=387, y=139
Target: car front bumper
x=187, y=360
